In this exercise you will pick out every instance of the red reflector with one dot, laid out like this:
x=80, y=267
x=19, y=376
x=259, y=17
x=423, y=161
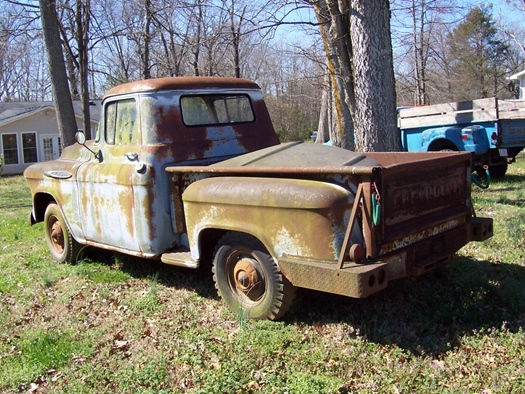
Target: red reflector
x=464, y=137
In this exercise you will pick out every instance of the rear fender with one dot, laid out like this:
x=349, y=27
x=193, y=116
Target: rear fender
x=290, y=217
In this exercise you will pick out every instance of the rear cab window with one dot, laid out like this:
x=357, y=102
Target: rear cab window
x=216, y=109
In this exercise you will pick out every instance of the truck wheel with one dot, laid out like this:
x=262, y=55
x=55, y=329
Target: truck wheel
x=498, y=171
x=248, y=279
x=61, y=244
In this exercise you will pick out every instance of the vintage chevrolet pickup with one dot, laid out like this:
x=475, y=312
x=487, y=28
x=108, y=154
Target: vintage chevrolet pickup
x=190, y=170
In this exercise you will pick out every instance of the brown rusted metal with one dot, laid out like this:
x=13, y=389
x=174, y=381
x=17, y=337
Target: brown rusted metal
x=275, y=170
x=481, y=228
x=191, y=84
x=291, y=217
x=370, y=232
x=345, y=248
x=247, y=279
x=352, y=280
x=57, y=236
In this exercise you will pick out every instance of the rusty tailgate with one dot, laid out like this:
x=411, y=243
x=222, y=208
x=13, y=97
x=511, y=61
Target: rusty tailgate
x=424, y=197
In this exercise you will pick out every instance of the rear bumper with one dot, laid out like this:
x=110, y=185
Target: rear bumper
x=362, y=280
x=481, y=229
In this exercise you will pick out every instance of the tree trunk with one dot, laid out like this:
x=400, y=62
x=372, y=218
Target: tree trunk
x=356, y=36
x=67, y=126
x=82, y=31
x=146, y=67
x=375, y=115
x=326, y=115
x=333, y=23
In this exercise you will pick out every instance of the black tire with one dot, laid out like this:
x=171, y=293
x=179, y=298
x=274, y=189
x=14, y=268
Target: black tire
x=498, y=171
x=248, y=279
x=63, y=247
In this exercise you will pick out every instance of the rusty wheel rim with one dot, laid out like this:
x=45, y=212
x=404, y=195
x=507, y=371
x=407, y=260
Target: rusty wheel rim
x=56, y=235
x=246, y=281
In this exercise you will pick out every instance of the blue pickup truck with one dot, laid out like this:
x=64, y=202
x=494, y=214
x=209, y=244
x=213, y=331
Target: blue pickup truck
x=491, y=128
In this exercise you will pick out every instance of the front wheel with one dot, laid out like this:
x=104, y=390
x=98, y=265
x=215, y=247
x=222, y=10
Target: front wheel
x=248, y=279
x=61, y=244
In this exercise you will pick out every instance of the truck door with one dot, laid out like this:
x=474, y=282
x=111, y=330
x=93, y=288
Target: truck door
x=106, y=198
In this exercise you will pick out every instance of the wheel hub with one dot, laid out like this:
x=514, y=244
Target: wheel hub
x=57, y=236
x=247, y=279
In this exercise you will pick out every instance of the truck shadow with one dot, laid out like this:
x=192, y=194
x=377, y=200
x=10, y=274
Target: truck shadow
x=510, y=178
x=199, y=281
x=427, y=314
x=423, y=315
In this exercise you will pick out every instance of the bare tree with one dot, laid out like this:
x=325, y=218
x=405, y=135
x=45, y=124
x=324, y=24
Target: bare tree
x=418, y=23
x=67, y=126
x=21, y=62
x=74, y=24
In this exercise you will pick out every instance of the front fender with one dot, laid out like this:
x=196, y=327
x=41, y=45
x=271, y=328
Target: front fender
x=290, y=217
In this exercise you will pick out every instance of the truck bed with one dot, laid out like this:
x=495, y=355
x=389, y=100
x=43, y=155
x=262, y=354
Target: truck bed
x=420, y=194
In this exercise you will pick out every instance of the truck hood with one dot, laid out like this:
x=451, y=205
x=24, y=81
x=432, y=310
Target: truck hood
x=64, y=167
x=300, y=154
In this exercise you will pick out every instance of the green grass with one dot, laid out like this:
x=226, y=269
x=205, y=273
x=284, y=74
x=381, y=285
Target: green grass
x=116, y=324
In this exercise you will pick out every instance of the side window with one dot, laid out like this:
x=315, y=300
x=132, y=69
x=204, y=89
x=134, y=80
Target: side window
x=121, y=122
x=111, y=115
x=127, y=125
x=216, y=109
x=233, y=109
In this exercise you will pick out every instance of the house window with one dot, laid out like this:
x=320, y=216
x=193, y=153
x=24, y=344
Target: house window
x=10, y=148
x=29, y=147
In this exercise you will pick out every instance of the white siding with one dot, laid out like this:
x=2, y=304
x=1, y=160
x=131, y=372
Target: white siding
x=42, y=122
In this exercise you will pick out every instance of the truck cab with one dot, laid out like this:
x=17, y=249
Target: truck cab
x=106, y=194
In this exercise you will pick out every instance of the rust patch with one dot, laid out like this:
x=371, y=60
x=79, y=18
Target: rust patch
x=181, y=83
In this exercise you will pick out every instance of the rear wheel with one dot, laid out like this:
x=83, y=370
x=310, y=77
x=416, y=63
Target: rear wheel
x=61, y=244
x=248, y=279
x=498, y=171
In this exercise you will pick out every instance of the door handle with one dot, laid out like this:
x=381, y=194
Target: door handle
x=132, y=156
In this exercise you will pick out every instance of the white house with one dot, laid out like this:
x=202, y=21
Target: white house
x=29, y=132
x=521, y=78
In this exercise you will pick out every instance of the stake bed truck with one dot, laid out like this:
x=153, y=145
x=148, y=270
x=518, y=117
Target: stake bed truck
x=492, y=129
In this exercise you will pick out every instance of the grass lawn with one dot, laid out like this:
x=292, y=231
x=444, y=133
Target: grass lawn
x=115, y=324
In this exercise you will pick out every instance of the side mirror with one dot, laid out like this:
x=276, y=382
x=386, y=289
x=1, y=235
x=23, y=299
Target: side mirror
x=81, y=139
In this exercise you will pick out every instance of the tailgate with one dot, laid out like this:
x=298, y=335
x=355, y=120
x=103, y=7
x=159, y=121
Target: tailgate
x=422, y=196
x=512, y=133
x=512, y=123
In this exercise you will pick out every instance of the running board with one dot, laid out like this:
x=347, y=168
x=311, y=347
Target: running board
x=181, y=258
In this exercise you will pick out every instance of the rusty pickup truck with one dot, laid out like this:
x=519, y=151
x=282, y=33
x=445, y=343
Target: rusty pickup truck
x=189, y=170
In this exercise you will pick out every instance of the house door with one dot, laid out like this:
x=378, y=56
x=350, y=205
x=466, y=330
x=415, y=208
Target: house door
x=50, y=147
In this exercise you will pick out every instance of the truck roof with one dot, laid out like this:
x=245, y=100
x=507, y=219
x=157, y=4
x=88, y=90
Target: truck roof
x=181, y=83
